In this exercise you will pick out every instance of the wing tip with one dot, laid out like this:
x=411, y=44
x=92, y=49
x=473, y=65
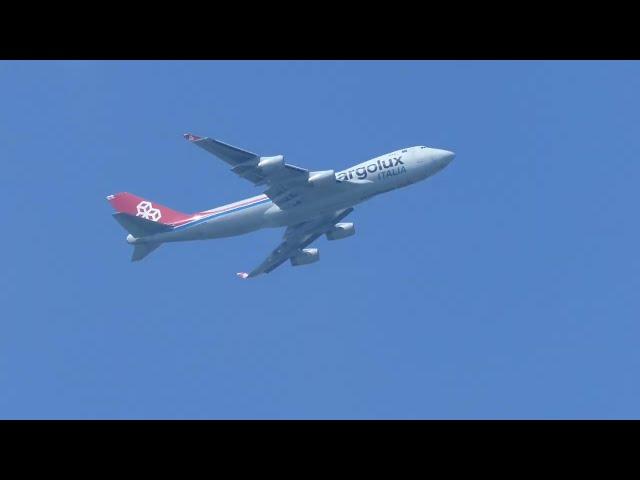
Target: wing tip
x=242, y=275
x=191, y=137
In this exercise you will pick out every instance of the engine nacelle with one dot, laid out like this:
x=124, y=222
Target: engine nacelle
x=340, y=231
x=305, y=257
x=271, y=164
x=321, y=178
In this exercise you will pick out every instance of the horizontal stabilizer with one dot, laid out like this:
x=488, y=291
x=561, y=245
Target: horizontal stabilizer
x=138, y=226
x=142, y=250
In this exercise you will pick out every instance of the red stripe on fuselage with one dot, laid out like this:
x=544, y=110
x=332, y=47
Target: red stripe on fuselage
x=222, y=209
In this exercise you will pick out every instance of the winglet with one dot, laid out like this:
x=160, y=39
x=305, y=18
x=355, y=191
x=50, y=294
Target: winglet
x=242, y=275
x=191, y=137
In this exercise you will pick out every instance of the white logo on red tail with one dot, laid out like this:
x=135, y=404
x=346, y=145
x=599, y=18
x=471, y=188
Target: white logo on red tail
x=146, y=211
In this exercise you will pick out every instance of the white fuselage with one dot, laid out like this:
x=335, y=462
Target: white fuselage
x=372, y=177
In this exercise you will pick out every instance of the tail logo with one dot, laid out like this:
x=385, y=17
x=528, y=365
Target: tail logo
x=146, y=211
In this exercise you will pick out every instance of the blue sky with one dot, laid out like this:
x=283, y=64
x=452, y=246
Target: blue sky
x=504, y=287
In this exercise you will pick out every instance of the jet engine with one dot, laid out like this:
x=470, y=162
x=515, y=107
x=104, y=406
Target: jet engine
x=340, y=231
x=305, y=257
x=322, y=178
x=271, y=164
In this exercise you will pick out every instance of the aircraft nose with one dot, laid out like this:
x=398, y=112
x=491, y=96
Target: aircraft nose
x=442, y=158
x=445, y=157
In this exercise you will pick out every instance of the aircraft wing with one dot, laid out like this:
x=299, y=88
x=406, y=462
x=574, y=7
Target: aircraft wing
x=295, y=239
x=287, y=185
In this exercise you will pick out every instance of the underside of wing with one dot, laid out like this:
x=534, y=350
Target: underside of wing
x=258, y=170
x=295, y=240
x=230, y=154
x=288, y=186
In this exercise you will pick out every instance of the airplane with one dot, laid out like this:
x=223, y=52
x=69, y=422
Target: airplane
x=308, y=203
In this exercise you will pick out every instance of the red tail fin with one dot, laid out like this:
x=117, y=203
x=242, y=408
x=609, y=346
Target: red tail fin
x=133, y=205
